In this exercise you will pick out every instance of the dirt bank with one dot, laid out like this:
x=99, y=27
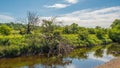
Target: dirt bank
x=115, y=63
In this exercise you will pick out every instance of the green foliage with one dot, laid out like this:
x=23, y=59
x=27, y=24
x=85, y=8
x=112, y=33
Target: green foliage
x=4, y=41
x=10, y=40
x=11, y=51
x=72, y=29
x=22, y=31
x=100, y=32
x=91, y=30
x=83, y=35
x=115, y=23
x=93, y=40
x=14, y=25
x=5, y=30
x=67, y=30
x=72, y=38
x=53, y=39
x=114, y=32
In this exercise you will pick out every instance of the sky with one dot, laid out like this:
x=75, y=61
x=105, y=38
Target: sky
x=88, y=13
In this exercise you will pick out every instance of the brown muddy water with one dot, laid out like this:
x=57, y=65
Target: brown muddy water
x=79, y=58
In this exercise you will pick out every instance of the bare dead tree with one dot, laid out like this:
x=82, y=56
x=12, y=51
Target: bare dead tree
x=32, y=20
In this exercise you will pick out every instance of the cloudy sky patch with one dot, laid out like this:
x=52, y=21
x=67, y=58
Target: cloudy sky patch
x=88, y=13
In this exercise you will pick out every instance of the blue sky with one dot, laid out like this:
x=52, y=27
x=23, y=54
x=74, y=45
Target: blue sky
x=12, y=9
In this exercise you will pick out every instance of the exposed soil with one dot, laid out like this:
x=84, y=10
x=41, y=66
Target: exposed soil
x=115, y=63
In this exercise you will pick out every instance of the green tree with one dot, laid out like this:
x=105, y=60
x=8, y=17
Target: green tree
x=116, y=23
x=100, y=32
x=83, y=35
x=5, y=30
x=114, y=32
x=74, y=28
x=67, y=30
x=91, y=30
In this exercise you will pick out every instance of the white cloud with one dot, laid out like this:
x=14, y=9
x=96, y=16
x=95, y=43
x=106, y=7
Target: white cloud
x=6, y=18
x=60, y=5
x=91, y=18
x=105, y=57
x=57, y=6
x=70, y=66
x=72, y=1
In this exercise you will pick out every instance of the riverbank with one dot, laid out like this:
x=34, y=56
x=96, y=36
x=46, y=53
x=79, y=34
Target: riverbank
x=115, y=63
x=51, y=39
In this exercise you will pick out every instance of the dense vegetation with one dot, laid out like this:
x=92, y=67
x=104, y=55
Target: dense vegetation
x=51, y=38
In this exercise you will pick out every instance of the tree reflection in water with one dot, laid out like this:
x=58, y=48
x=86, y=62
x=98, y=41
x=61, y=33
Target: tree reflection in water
x=99, y=53
x=55, y=62
x=51, y=62
x=114, y=49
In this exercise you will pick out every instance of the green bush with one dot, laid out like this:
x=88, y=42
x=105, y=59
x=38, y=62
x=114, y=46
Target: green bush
x=83, y=35
x=5, y=30
x=72, y=38
x=4, y=41
x=12, y=51
x=22, y=31
x=9, y=51
x=93, y=40
x=9, y=40
x=114, y=34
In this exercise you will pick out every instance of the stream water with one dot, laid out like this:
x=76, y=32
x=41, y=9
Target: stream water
x=79, y=58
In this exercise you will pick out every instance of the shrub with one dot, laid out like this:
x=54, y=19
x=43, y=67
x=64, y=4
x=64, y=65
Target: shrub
x=114, y=34
x=93, y=40
x=22, y=31
x=4, y=41
x=5, y=30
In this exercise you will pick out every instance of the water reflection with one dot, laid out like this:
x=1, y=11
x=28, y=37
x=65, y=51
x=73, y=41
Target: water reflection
x=32, y=62
x=99, y=53
x=114, y=49
x=79, y=58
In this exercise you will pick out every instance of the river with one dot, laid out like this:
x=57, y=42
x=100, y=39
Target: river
x=79, y=58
